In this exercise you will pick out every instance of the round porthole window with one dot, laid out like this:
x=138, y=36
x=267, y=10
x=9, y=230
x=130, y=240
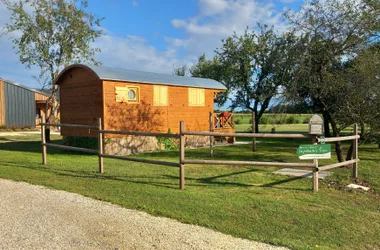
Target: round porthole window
x=132, y=95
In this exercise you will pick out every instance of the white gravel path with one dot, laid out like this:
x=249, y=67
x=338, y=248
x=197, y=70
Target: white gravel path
x=34, y=217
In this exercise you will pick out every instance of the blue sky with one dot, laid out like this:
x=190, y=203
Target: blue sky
x=155, y=35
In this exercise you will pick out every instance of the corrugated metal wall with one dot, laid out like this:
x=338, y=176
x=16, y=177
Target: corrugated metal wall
x=20, y=106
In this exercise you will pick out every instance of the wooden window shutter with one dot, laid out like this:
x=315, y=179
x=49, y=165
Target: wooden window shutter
x=160, y=95
x=196, y=97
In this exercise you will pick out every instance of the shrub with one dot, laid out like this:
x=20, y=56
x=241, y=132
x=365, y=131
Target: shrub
x=168, y=143
x=306, y=120
x=290, y=120
x=297, y=121
x=81, y=141
x=237, y=121
x=278, y=121
x=3, y=127
x=15, y=128
x=264, y=120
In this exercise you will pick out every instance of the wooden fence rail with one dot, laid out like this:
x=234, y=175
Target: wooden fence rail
x=140, y=133
x=182, y=160
x=247, y=135
x=68, y=125
x=251, y=163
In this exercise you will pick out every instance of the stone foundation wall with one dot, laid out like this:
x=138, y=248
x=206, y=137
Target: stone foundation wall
x=196, y=141
x=130, y=145
x=138, y=144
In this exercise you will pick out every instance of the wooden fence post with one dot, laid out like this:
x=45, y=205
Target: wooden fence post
x=211, y=137
x=315, y=169
x=253, y=131
x=181, y=155
x=355, y=153
x=43, y=139
x=100, y=145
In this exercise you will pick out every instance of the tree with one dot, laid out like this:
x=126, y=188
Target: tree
x=179, y=70
x=362, y=76
x=211, y=69
x=54, y=34
x=332, y=33
x=255, y=68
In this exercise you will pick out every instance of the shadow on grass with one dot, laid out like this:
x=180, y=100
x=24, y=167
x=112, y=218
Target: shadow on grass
x=35, y=147
x=214, y=181
x=283, y=181
x=273, y=150
x=97, y=176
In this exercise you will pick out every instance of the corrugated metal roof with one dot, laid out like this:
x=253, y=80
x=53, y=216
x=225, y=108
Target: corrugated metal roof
x=107, y=73
x=42, y=91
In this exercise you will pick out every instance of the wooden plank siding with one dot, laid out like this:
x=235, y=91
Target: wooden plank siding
x=2, y=104
x=84, y=98
x=80, y=100
x=145, y=116
x=40, y=97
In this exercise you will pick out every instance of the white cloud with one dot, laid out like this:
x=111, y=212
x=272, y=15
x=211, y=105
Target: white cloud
x=135, y=3
x=218, y=19
x=214, y=20
x=133, y=52
x=212, y=7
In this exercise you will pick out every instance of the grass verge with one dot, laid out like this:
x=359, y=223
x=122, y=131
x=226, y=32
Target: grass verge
x=248, y=202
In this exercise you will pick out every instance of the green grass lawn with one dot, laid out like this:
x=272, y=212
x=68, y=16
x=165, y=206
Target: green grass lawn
x=248, y=202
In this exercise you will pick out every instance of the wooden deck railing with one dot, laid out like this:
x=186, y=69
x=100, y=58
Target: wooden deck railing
x=223, y=120
x=182, y=160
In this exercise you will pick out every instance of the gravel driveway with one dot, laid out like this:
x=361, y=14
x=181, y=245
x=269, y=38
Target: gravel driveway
x=34, y=217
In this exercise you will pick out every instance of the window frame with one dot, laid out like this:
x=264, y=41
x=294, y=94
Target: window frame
x=126, y=89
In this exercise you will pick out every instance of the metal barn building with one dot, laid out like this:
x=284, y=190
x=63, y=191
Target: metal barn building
x=20, y=106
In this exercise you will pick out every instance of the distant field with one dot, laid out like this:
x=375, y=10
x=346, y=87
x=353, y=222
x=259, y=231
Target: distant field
x=274, y=118
x=279, y=128
x=282, y=123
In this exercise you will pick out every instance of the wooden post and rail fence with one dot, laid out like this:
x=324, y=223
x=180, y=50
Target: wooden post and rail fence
x=314, y=166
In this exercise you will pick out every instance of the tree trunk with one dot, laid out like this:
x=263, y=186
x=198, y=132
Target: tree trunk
x=326, y=125
x=256, y=124
x=350, y=152
x=338, y=144
x=339, y=151
x=47, y=135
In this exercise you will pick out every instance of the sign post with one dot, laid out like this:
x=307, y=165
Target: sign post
x=315, y=128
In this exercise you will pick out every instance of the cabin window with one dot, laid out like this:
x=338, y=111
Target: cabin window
x=160, y=96
x=196, y=97
x=127, y=94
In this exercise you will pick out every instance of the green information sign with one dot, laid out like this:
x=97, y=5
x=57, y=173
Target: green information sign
x=321, y=151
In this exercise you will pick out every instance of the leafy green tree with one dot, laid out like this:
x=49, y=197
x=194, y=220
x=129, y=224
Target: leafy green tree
x=256, y=68
x=180, y=70
x=332, y=33
x=362, y=102
x=54, y=34
x=211, y=69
